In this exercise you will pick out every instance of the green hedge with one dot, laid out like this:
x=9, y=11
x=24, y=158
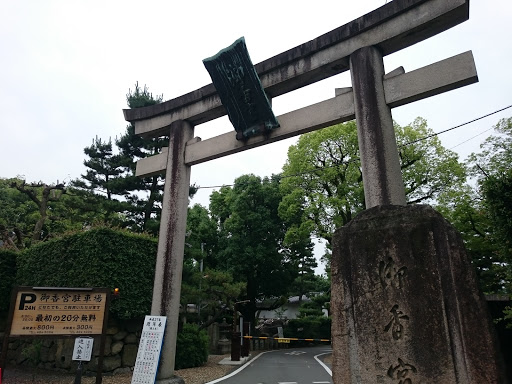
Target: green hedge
x=191, y=347
x=7, y=279
x=311, y=327
x=100, y=257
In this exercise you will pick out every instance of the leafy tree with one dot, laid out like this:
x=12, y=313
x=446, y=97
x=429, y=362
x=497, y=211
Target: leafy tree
x=30, y=212
x=481, y=211
x=7, y=281
x=41, y=195
x=17, y=217
x=466, y=210
x=497, y=190
x=306, y=281
x=212, y=290
x=322, y=176
x=493, y=173
x=251, y=239
x=322, y=180
x=202, y=237
x=496, y=152
x=79, y=209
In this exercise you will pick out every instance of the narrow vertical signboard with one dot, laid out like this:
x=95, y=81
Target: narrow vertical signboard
x=150, y=347
x=82, y=352
x=83, y=349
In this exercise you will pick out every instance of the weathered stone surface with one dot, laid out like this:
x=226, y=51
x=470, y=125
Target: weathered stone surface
x=97, y=344
x=171, y=243
x=131, y=338
x=110, y=363
x=405, y=303
x=120, y=335
x=108, y=346
x=120, y=371
x=129, y=355
x=17, y=356
x=64, y=353
x=117, y=346
x=44, y=354
x=14, y=344
x=53, y=351
x=92, y=366
x=380, y=164
x=112, y=330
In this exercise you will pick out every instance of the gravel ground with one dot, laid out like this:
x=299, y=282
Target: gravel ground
x=201, y=375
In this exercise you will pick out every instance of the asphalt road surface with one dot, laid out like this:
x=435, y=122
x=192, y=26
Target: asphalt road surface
x=284, y=366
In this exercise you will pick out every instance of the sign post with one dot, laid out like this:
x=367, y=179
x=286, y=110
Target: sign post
x=150, y=347
x=58, y=312
x=82, y=352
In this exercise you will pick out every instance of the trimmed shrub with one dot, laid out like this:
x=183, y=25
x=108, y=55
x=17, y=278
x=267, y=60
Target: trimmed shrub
x=7, y=281
x=100, y=257
x=311, y=327
x=191, y=347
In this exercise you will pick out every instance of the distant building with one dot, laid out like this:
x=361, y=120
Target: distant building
x=290, y=310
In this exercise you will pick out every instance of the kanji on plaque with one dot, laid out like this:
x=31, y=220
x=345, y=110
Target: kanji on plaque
x=150, y=346
x=58, y=311
x=83, y=349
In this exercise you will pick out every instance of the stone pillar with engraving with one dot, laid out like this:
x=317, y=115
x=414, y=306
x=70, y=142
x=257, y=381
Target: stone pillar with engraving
x=406, y=307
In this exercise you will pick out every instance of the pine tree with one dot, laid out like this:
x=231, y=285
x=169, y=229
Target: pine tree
x=145, y=194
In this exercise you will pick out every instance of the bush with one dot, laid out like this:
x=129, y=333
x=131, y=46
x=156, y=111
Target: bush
x=311, y=327
x=101, y=257
x=191, y=347
x=7, y=282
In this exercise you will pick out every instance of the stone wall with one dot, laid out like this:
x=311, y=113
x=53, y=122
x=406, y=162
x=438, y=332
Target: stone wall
x=121, y=346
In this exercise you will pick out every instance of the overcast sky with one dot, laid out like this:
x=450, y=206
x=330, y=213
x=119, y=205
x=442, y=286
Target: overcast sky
x=66, y=67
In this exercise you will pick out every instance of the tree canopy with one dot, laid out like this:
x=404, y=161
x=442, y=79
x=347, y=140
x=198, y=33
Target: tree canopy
x=251, y=242
x=322, y=176
x=482, y=211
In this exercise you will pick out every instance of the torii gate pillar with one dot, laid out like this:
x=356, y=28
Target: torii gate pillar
x=382, y=178
x=171, y=246
x=404, y=297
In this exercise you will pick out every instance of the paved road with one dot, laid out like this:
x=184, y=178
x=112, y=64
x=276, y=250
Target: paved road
x=285, y=366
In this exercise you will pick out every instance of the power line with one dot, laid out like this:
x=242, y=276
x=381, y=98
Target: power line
x=400, y=146
x=457, y=126
x=471, y=138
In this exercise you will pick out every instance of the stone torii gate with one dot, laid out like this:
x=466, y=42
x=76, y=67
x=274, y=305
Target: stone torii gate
x=358, y=46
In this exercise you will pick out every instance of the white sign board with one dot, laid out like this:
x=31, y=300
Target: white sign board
x=150, y=346
x=83, y=348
